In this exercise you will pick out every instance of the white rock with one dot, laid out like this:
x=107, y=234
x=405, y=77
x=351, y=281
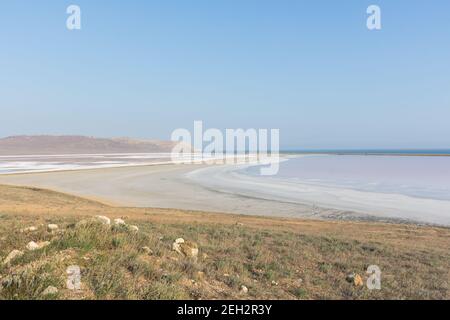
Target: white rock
x=36, y=246
x=119, y=222
x=176, y=246
x=12, y=255
x=50, y=291
x=29, y=229
x=244, y=289
x=103, y=220
x=189, y=249
x=32, y=246
x=52, y=227
x=133, y=228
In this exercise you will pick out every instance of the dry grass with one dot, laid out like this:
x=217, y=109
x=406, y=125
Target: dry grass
x=274, y=258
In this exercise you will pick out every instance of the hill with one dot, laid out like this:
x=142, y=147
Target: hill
x=47, y=144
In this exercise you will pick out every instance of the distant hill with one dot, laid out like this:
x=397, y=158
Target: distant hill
x=46, y=145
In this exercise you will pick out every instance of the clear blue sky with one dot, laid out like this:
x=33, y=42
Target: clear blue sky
x=310, y=68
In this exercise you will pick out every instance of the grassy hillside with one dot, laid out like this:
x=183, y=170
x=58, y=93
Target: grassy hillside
x=271, y=258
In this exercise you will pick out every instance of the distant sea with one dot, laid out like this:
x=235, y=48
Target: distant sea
x=445, y=152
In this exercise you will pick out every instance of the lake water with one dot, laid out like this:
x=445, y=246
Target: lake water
x=416, y=176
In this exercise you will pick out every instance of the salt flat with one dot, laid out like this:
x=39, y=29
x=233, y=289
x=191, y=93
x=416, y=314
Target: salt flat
x=221, y=189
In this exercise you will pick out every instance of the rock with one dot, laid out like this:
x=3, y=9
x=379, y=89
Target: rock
x=119, y=222
x=50, y=291
x=12, y=255
x=133, y=228
x=244, y=289
x=176, y=246
x=274, y=283
x=52, y=227
x=103, y=220
x=36, y=246
x=350, y=277
x=29, y=229
x=356, y=279
x=147, y=250
x=32, y=246
x=187, y=248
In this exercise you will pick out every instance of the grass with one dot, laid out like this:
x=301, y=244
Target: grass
x=273, y=258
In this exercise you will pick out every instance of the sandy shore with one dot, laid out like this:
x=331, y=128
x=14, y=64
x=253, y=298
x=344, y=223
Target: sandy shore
x=159, y=186
x=219, y=189
x=346, y=202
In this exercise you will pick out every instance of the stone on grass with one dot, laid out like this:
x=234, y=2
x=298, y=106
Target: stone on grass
x=52, y=227
x=32, y=246
x=103, y=220
x=119, y=222
x=133, y=228
x=355, y=279
x=36, y=246
x=244, y=289
x=12, y=255
x=189, y=249
x=29, y=229
x=50, y=291
x=358, y=281
x=176, y=246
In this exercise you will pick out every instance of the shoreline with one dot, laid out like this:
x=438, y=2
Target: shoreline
x=171, y=186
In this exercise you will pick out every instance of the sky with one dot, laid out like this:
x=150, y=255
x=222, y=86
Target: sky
x=309, y=68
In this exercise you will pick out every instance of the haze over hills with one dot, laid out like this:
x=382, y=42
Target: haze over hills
x=47, y=145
